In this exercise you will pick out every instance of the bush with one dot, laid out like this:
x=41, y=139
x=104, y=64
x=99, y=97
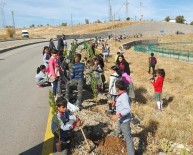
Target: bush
x=180, y=19
x=10, y=32
x=191, y=23
x=167, y=19
x=64, y=24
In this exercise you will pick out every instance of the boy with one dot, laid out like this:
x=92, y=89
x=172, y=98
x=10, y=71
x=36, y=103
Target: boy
x=63, y=123
x=123, y=115
x=152, y=63
x=77, y=76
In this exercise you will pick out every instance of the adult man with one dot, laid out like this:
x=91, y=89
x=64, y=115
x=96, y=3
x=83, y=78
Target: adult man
x=61, y=43
x=77, y=75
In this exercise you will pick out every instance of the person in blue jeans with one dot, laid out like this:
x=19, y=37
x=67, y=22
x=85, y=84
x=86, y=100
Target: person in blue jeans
x=123, y=115
x=76, y=78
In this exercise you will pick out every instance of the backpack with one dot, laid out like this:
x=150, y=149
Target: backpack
x=153, y=61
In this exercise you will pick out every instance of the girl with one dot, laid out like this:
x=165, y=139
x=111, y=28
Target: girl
x=54, y=71
x=112, y=91
x=130, y=88
x=158, y=85
x=46, y=56
x=96, y=72
x=41, y=76
x=122, y=64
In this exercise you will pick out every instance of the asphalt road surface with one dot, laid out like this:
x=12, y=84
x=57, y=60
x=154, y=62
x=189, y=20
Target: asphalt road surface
x=7, y=44
x=24, y=107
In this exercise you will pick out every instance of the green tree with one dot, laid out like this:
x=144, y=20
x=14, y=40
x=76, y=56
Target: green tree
x=167, y=19
x=180, y=19
x=64, y=24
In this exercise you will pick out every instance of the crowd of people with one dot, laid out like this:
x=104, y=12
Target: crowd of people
x=63, y=73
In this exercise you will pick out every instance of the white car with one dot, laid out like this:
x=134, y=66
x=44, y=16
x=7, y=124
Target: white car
x=25, y=33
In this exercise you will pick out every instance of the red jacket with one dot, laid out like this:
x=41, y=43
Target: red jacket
x=158, y=84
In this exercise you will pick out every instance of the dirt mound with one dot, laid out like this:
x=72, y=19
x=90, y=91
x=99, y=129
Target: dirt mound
x=112, y=145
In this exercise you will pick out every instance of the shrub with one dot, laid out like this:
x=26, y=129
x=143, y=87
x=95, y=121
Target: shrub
x=10, y=32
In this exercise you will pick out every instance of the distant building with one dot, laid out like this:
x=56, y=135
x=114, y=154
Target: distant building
x=172, y=21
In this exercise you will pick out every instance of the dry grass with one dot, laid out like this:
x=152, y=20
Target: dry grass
x=49, y=31
x=176, y=121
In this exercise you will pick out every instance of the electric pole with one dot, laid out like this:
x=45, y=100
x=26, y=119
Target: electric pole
x=71, y=23
x=126, y=10
x=110, y=11
x=2, y=15
x=140, y=14
x=13, y=18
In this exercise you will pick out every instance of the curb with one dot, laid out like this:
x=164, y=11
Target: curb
x=12, y=48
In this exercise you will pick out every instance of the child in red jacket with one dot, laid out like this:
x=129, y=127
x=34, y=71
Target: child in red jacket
x=158, y=85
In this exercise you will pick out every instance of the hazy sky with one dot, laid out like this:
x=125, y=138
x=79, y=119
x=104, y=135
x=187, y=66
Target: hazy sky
x=42, y=12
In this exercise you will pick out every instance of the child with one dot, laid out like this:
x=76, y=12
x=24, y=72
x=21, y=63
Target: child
x=46, y=56
x=112, y=91
x=96, y=73
x=77, y=77
x=123, y=115
x=63, y=123
x=158, y=85
x=129, y=83
x=54, y=71
x=116, y=56
x=41, y=76
x=152, y=63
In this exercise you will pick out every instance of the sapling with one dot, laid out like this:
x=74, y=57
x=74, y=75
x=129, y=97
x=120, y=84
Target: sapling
x=94, y=87
x=52, y=103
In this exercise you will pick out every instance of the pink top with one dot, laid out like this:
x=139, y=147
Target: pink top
x=53, y=66
x=126, y=78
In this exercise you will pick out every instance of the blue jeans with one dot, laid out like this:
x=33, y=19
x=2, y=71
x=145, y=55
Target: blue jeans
x=55, y=85
x=125, y=129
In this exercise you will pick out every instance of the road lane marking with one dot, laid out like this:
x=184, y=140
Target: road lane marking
x=47, y=148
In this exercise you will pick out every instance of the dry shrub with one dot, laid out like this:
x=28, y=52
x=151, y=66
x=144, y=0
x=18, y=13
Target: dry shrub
x=3, y=37
x=10, y=32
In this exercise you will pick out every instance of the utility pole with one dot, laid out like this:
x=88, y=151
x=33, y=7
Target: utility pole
x=140, y=14
x=110, y=11
x=13, y=18
x=126, y=10
x=71, y=23
x=2, y=14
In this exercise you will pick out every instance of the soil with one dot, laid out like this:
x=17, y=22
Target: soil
x=112, y=145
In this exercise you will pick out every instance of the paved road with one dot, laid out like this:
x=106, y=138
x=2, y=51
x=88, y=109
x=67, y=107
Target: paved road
x=7, y=44
x=24, y=107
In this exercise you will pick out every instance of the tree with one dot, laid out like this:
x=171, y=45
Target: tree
x=33, y=25
x=191, y=23
x=128, y=18
x=86, y=21
x=180, y=19
x=167, y=19
x=64, y=24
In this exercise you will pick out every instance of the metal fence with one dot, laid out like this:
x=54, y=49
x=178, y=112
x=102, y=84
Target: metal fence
x=185, y=55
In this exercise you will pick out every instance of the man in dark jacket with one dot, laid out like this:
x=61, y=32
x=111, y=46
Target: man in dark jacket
x=61, y=43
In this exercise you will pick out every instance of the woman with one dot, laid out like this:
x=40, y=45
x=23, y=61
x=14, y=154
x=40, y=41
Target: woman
x=122, y=64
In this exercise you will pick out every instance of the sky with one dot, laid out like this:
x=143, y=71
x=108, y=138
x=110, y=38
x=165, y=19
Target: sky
x=55, y=12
